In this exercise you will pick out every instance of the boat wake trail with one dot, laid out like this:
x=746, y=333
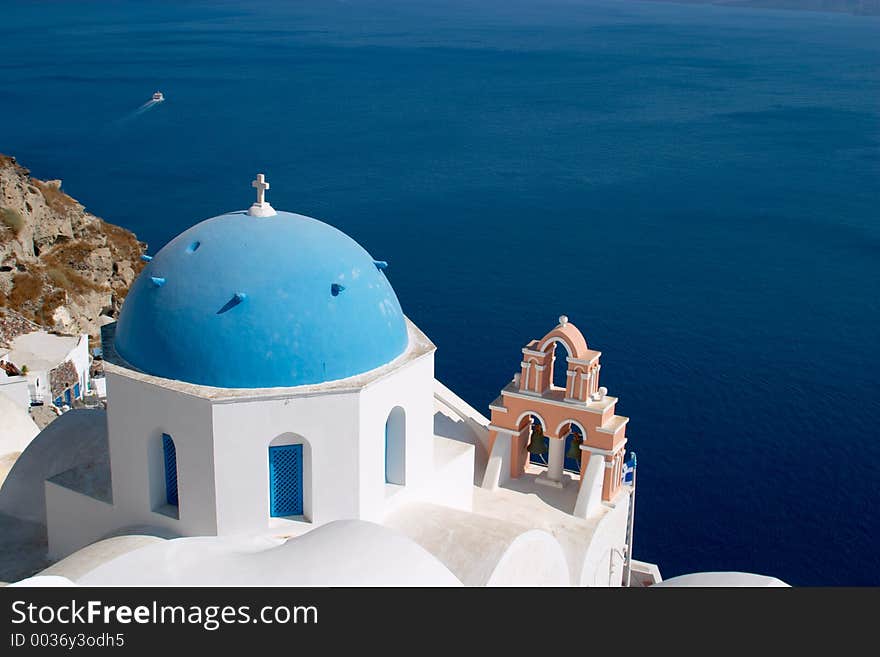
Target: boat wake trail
x=146, y=107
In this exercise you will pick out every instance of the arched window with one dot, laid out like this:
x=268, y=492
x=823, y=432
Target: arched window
x=170, y=457
x=560, y=365
x=395, y=447
x=285, y=480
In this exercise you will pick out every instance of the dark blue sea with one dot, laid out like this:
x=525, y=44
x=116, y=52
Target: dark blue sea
x=696, y=187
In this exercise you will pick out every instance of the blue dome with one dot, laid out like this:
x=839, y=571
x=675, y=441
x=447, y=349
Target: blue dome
x=253, y=302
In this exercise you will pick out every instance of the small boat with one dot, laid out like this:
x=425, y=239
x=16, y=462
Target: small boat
x=158, y=97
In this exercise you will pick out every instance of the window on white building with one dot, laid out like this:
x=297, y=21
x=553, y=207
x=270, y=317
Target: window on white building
x=395, y=447
x=170, y=454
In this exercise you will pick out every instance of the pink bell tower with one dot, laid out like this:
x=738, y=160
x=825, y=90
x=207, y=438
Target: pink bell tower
x=531, y=399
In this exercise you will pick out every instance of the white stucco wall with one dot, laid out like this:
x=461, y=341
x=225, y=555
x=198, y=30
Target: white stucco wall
x=344, y=471
x=76, y=438
x=222, y=446
x=603, y=561
x=42, y=352
x=17, y=429
x=99, y=385
x=38, y=383
x=243, y=432
x=138, y=413
x=79, y=356
x=74, y=520
x=16, y=389
x=411, y=388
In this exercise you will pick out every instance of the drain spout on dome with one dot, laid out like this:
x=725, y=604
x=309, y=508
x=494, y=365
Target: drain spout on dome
x=236, y=299
x=157, y=281
x=380, y=264
x=146, y=258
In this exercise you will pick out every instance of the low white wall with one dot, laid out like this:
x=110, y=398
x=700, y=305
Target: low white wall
x=99, y=385
x=449, y=484
x=79, y=356
x=498, y=464
x=453, y=481
x=38, y=383
x=74, y=520
x=644, y=574
x=85, y=560
x=16, y=388
x=77, y=438
x=603, y=561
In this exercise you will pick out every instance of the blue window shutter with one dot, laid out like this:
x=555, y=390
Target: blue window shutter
x=76, y=391
x=170, y=469
x=286, y=480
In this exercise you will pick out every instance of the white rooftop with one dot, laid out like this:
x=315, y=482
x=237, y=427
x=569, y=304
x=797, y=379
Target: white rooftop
x=339, y=553
x=40, y=350
x=723, y=580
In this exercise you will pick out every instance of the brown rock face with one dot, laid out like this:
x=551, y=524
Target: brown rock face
x=61, y=267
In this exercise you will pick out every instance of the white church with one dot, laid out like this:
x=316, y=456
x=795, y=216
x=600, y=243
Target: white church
x=273, y=419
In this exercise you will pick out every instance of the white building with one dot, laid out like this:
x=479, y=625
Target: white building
x=15, y=386
x=265, y=389
x=57, y=365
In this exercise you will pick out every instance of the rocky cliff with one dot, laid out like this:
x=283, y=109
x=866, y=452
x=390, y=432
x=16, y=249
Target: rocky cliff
x=61, y=267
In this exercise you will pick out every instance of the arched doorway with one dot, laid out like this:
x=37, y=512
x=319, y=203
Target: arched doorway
x=395, y=447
